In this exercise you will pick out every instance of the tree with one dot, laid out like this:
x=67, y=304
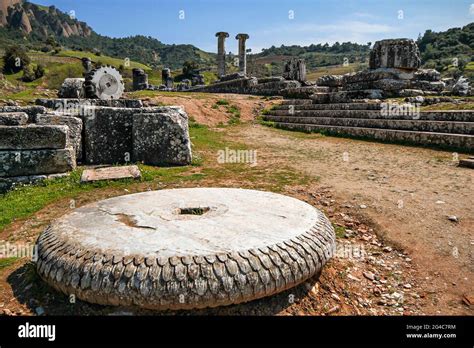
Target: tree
x=189, y=66
x=15, y=59
x=39, y=71
x=28, y=74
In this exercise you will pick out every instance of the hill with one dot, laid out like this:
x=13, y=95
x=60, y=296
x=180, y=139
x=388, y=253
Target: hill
x=35, y=26
x=451, y=52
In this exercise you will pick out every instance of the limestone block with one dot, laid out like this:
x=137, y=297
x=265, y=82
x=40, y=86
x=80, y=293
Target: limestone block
x=330, y=81
x=33, y=137
x=72, y=88
x=31, y=111
x=108, y=134
x=74, y=125
x=162, y=138
x=35, y=162
x=395, y=53
x=13, y=119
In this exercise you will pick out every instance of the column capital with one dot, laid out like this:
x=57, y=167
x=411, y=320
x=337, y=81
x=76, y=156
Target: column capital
x=222, y=34
x=242, y=37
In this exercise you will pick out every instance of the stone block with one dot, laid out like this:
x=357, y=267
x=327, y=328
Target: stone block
x=75, y=129
x=31, y=111
x=108, y=134
x=377, y=74
x=36, y=162
x=428, y=75
x=162, y=138
x=395, y=53
x=65, y=104
x=33, y=137
x=330, y=81
x=110, y=173
x=13, y=119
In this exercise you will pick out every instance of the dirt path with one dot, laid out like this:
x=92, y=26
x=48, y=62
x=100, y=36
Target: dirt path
x=407, y=192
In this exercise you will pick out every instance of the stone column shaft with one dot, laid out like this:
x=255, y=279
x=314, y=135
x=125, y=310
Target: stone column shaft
x=221, y=36
x=242, y=52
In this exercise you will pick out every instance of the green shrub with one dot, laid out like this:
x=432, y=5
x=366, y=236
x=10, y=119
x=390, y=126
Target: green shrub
x=28, y=74
x=222, y=102
x=39, y=71
x=14, y=60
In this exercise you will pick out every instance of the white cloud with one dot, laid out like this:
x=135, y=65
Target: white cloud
x=363, y=15
x=471, y=10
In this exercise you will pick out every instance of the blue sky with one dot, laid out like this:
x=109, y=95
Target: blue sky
x=268, y=22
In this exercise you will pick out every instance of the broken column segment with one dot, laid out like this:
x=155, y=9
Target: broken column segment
x=221, y=36
x=242, y=52
x=140, y=79
x=166, y=78
x=295, y=69
x=395, y=53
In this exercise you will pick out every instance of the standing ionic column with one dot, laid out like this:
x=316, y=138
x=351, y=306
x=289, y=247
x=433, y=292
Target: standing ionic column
x=221, y=36
x=242, y=52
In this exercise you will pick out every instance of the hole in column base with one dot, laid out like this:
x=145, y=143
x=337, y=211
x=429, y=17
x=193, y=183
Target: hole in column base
x=193, y=211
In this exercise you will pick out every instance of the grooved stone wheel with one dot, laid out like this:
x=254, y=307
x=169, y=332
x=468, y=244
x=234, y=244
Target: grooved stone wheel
x=185, y=248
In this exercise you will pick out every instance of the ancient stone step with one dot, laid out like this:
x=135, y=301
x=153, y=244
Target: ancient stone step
x=36, y=162
x=455, y=116
x=409, y=125
x=338, y=106
x=346, y=96
x=460, y=141
x=296, y=102
x=33, y=137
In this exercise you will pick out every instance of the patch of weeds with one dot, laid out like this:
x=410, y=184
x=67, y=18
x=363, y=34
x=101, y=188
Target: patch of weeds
x=270, y=124
x=340, y=231
x=235, y=114
x=8, y=261
x=222, y=102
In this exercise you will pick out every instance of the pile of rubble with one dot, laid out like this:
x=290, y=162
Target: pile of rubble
x=394, y=71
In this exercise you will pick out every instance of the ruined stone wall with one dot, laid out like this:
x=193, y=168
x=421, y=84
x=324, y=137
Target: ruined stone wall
x=36, y=142
x=32, y=150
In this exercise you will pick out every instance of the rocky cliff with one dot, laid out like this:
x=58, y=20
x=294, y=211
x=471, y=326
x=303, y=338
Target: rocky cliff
x=42, y=20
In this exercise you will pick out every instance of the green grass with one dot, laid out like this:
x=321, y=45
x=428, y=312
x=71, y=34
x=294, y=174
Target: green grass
x=222, y=102
x=340, y=231
x=209, y=77
x=6, y=262
x=24, y=201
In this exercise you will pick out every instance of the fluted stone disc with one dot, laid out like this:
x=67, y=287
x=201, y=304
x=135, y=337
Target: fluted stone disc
x=185, y=248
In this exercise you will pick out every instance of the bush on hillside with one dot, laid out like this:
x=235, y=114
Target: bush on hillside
x=14, y=60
